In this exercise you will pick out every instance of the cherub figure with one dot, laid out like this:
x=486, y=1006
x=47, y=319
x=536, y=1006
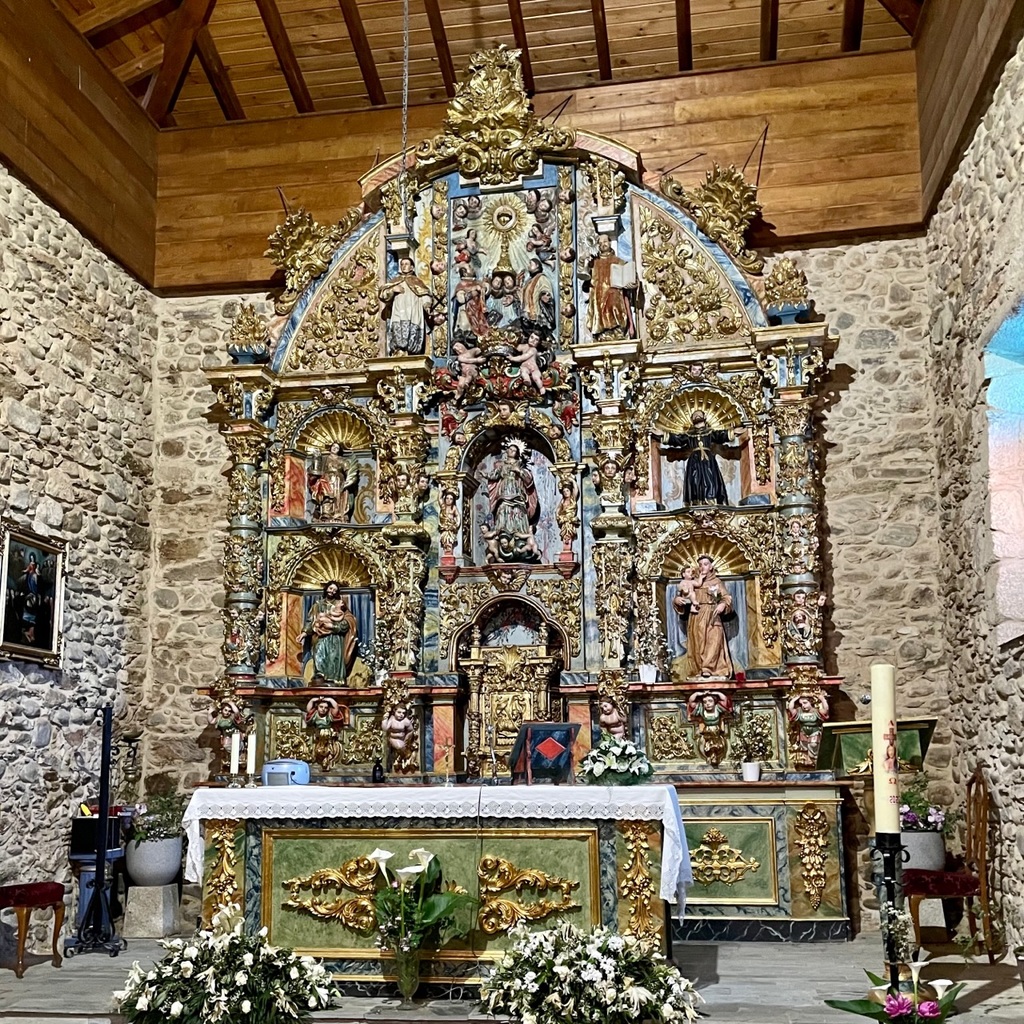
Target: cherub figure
x=529, y=351
x=470, y=358
x=610, y=719
x=326, y=716
x=686, y=595
x=400, y=734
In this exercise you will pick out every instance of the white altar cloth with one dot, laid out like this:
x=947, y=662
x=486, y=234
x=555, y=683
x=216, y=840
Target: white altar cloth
x=554, y=803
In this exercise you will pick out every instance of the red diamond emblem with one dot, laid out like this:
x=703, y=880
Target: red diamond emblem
x=550, y=748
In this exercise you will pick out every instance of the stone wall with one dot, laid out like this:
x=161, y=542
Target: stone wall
x=975, y=247
x=77, y=336
x=882, y=520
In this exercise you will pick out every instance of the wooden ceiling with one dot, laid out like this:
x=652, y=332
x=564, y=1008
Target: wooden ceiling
x=194, y=63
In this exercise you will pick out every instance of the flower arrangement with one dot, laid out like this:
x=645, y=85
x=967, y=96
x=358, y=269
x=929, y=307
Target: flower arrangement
x=917, y=814
x=752, y=742
x=411, y=906
x=158, y=818
x=224, y=975
x=615, y=760
x=566, y=974
x=901, y=1007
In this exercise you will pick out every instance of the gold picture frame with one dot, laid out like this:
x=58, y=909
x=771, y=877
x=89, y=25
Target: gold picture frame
x=31, y=615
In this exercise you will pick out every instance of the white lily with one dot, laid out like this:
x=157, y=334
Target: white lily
x=405, y=875
x=423, y=856
x=380, y=858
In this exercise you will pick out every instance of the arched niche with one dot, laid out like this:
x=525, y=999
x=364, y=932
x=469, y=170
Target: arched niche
x=511, y=620
x=744, y=626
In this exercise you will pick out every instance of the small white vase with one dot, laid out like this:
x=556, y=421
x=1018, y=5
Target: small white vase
x=648, y=673
x=751, y=771
x=927, y=850
x=153, y=861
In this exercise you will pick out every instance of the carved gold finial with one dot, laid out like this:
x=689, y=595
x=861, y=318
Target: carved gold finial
x=607, y=185
x=785, y=285
x=723, y=208
x=249, y=336
x=490, y=130
x=302, y=248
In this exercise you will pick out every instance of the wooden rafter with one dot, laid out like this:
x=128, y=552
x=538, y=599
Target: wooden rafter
x=769, y=29
x=367, y=65
x=134, y=70
x=684, y=35
x=515, y=13
x=604, y=57
x=906, y=12
x=285, y=55
x=191, y=16
x=110, y=13
x=218, y=75
x=440, y=37
x=853, y=25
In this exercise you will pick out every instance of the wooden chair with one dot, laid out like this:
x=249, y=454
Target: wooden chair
x=28, y=897
x=968, y=883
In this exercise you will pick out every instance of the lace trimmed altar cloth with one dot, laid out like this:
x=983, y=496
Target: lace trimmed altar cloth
x=553, y=803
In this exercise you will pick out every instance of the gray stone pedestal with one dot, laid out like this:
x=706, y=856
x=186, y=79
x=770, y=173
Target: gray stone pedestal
x=151, y=912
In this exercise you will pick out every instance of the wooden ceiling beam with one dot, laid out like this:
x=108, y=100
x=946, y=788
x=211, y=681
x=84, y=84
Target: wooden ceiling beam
x=853, y=25
x=604, y=57
x=684, y=35
x=110, y=13
x=218, y=75
x=906, y=12
x=515, y=13
x=440, y=37
x=134, y=70
x=367, y=65
x=769, y=29
x=285, y=55
x=192, y=15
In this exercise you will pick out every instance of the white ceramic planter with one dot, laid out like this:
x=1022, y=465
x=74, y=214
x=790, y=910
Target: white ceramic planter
x=751, y=771
x=648, y=673
x=927, y=850
x=154, y=861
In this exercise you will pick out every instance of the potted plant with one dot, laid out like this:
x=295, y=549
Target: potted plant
x=752, y=745
x=924, y=826
x=649, y=647
x=567, y=974
x=153, y=853
x=225, y=976
x=412, y=911
x=615, y=761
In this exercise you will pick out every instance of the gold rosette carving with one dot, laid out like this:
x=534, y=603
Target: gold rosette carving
x=716, y=861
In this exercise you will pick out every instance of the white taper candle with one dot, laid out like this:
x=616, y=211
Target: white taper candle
x=250, y=753
x=236, y=747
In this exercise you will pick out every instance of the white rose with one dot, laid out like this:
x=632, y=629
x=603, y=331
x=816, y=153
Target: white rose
x=247, y=959
x=246, y=1006
x=185, y=968
x=191, y=952
x=142, y=1003
x=241, y=978
x=312, y=1002
x=176, y=1008
x=293, y=973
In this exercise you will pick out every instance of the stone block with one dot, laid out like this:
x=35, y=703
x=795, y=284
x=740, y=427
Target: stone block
x=151, y=912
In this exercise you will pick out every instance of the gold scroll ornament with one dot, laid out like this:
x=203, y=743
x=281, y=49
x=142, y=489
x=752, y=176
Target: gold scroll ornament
x=716, y=861
x=326, y=900
x=499, y=913
x=812, y=829
x=222, y=889
x=636, y=884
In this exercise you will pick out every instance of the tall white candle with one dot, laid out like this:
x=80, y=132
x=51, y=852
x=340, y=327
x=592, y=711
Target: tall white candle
x=250, y=753
x=883, y=747
x=236, y=747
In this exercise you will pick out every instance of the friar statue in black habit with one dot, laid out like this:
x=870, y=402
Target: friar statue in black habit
x=702, y=482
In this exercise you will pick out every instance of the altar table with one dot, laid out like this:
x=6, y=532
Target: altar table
x=294, y=858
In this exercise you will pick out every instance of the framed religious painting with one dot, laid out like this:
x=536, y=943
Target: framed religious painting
x=33, y=576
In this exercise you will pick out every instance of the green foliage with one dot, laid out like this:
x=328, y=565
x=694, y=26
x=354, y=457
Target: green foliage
x=752, y=741
x=904, y=1008
x=413, y=906
x=158, y=818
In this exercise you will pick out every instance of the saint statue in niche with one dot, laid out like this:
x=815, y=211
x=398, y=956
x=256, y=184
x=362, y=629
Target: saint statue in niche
x=332, y=632
x=469, y=308
x=703, y=483
x=807, y=712
x=406, y=302
x=538, y=299
x=704, y=599
x=515, y=509
x=332, y=481
x=608, y=312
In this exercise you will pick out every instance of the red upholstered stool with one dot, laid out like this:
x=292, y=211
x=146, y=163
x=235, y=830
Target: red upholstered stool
x=26, y=898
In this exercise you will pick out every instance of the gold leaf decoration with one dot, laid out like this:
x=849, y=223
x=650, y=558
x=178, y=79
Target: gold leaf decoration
x=249, y=334
x=499, y=913
x=812, y=829
x=326, y=900
x=302, y=248
x=490, y=130
x=222, y=888
x=723, y=208
x=716, y=861
x=636, y=884
x=785, y=285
